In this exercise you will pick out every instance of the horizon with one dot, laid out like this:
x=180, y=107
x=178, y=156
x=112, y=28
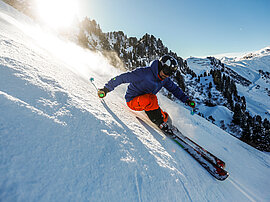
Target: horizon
x=240, y=28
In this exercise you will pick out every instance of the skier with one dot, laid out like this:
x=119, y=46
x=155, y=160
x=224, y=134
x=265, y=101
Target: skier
x=144, y=85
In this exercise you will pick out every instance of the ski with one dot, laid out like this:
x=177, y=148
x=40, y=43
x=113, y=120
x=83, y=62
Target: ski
x=201, y=155
x=206, y=153
x=214, y=169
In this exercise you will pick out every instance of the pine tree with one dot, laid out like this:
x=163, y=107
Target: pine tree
x=244, y=104
x=180, y=80
x=246, y=133
x=199, y=79
x=266, y=138
x=217, y=79
x=82, y=39
x=237, y=114
x=210, y=85
x=209, y=95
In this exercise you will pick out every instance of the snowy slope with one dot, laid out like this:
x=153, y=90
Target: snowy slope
x=248, y=66
x=199, y=65
x=58, y=142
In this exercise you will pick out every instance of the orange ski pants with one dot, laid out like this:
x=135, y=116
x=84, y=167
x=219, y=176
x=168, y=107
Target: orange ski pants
x=147, y=102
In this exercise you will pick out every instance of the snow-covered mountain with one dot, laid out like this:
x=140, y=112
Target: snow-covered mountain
x=253, y=79
x=59, y=142
x=255, y=67
x=251, y=76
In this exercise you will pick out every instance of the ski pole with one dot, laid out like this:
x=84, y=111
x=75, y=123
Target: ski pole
x=194, y=110
x=92, y=81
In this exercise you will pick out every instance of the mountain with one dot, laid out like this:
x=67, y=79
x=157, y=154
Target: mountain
x=247, y=79
x=254, y=67
x=59, y=142
x=250, y=75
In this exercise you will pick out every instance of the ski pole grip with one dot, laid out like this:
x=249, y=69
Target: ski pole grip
x=102, y=92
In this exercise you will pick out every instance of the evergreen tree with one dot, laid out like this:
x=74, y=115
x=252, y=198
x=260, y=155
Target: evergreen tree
x=209, y=95
x=244, y=104
x=237, y=114
x=257, y=131
x=217, y=79
x=210, y=85
x=180, y=80
x=247, y=129
x=199, y=79
x=82, y=39
x=246, y=133
x=105, y=43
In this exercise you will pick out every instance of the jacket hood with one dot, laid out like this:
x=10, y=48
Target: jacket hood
x=154, y=69
x=154, y=66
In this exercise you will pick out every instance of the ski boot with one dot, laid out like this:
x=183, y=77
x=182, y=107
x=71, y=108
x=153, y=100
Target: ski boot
x=166, y=128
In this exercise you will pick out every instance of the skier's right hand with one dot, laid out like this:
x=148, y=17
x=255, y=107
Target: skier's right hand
x=102, y=92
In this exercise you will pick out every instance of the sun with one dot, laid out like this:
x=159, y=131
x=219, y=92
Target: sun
x=57, y=13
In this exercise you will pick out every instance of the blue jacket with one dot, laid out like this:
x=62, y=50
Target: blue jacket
x=145, y=80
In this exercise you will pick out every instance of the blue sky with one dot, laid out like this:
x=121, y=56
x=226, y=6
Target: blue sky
x=188, y=27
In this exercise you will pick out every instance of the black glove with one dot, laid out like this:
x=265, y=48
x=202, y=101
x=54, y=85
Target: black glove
x=191, y=103
x=102, y=92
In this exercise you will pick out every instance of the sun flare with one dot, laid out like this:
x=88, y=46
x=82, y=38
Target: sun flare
x=57, y=13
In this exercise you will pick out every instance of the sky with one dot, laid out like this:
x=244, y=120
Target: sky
x=189, y=28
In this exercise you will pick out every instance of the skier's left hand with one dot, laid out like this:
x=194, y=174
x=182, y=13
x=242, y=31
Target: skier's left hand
x=191, y=103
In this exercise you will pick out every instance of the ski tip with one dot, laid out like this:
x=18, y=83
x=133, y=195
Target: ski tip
x=91, y=79
x=222, y=175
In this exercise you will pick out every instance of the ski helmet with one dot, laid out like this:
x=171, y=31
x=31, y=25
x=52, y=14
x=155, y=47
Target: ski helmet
x=168, y=64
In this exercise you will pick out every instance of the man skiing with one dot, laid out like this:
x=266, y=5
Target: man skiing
x=145, y=83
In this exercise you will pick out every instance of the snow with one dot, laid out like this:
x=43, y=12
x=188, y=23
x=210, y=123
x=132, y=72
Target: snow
x=256, y=94
x=59, y=142
x=199, y=65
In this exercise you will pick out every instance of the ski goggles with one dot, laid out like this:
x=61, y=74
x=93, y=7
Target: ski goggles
x=169, y=70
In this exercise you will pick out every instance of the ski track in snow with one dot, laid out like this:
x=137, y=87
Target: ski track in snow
x=242, y=189
x=59, y=142
x=257, y=77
